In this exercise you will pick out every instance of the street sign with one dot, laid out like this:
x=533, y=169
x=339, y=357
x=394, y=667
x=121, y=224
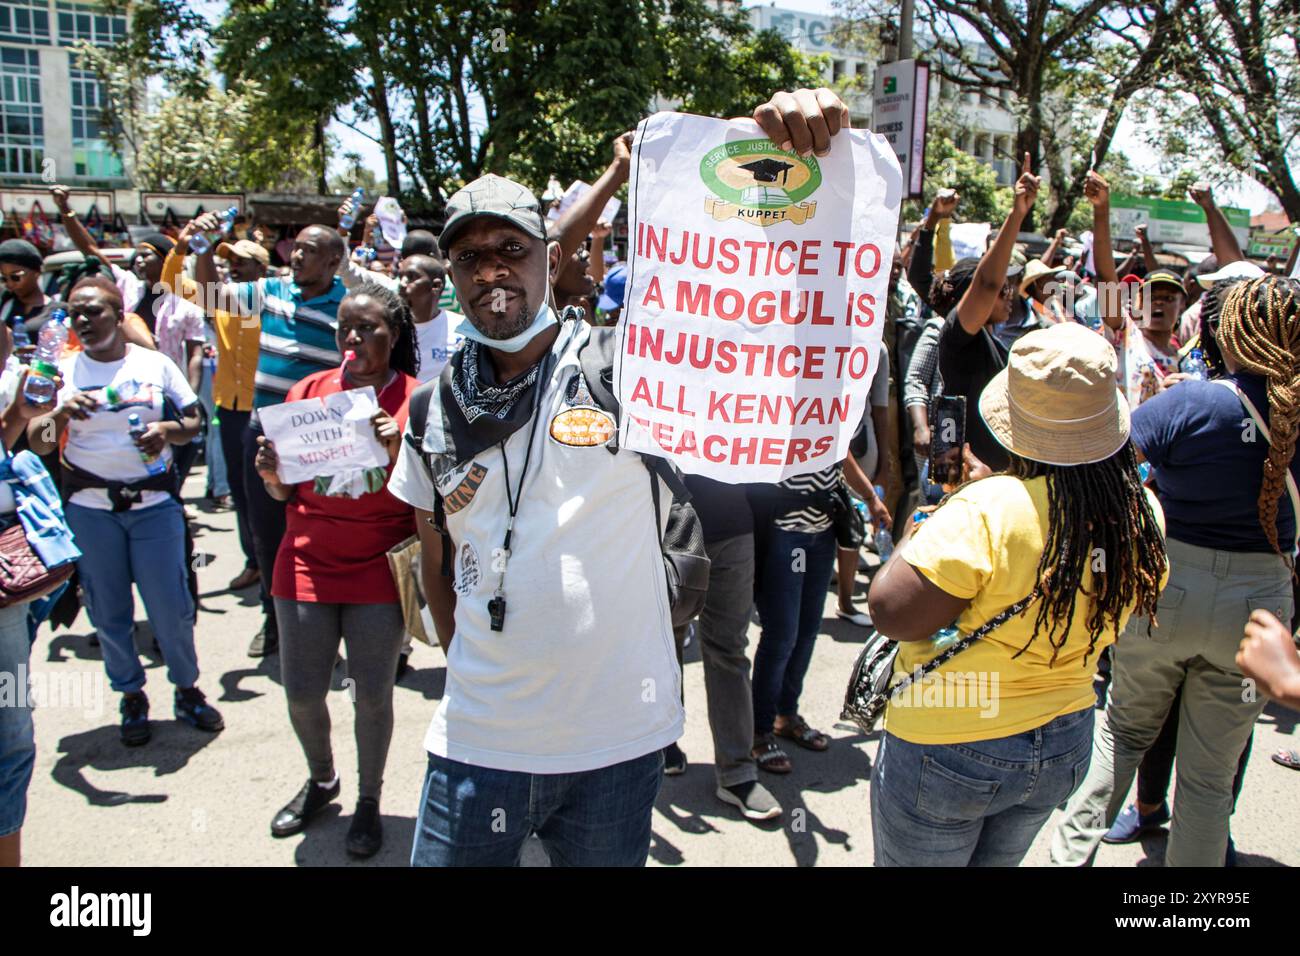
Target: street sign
x=899, y=112
x=1169, y=220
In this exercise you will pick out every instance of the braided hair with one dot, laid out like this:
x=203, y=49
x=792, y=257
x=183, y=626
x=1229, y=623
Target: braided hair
x=1259, y=329
x=1095, y=510
x=405, y=356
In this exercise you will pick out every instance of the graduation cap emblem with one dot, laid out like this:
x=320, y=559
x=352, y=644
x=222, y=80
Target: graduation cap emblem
x=767, y=170
x=755, y=181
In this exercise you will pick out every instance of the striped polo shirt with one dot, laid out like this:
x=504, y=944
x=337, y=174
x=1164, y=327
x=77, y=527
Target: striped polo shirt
x=297, y=336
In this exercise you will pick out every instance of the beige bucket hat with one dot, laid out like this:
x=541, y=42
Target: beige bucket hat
x=1056, y=402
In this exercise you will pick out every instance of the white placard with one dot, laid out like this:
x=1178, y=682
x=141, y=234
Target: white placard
x=573, y=193
x=969, y=239
x=757, y=285
x=322, y=437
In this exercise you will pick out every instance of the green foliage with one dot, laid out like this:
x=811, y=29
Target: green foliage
x=203, y=144
x=946, y=166
x=295, y=52
x=356, y=174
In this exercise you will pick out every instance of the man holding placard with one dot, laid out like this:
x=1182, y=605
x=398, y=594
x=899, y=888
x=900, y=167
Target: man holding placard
x=562, y=683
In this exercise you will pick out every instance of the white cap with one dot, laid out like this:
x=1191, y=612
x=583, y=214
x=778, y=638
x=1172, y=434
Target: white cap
x=1241, y=269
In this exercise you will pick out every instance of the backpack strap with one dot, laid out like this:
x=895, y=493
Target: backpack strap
x=417, y=421
x=596, y=360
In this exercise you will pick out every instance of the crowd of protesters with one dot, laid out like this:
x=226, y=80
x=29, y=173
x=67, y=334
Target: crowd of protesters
x=1119, y=509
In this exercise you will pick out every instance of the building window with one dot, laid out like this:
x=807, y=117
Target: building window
x=92, y=156
x=25, y=21
x=84, y=21
x=22, y=126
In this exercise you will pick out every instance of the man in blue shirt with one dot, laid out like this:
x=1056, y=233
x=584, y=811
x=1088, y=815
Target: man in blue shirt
x=298, y=319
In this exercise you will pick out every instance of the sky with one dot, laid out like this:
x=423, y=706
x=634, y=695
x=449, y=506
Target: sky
x=1246, y=193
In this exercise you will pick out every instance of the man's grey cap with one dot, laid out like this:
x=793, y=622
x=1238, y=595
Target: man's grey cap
x=495, y=196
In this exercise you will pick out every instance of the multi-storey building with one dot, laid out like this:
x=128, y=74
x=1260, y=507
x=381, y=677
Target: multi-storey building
x=985, y=124
x=49, y=109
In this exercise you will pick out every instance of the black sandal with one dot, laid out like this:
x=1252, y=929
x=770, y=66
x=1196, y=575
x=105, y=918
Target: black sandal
x=769, y=756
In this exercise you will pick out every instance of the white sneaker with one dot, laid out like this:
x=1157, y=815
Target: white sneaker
x=857, y=617
x=752, y=799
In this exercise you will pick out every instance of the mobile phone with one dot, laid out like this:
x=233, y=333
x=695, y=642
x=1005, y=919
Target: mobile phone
x=947, y=437
x=945, y=194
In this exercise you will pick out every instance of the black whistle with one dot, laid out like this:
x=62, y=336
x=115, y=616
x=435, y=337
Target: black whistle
x=497, y=611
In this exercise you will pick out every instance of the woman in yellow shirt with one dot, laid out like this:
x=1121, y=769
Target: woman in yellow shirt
x=977, y=753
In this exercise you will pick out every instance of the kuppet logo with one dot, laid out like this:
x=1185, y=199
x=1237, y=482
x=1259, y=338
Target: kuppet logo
x=753, y=180
x=891, y=85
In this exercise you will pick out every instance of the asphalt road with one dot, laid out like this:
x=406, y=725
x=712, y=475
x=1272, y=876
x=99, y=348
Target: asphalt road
x=189, y=798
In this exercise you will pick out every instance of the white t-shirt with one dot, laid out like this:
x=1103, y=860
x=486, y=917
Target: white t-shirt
x=101, y=444
x=437, y=339
x=584, y=674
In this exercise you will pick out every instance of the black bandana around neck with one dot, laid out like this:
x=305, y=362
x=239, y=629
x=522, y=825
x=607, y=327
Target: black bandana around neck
x=476, y=397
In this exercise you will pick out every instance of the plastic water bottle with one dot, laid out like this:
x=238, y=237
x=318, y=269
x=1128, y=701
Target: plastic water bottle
x=884, y=537
x=1193, y=365
x=40, y=387
x=152, y=463
x=347, y=220
x=200, y=242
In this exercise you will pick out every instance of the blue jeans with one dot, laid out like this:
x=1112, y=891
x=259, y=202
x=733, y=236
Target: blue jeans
x=145, y=546
x=476, y=816
x=794, y=571
x=218, y=485
x=17, y=739
x=974, y=804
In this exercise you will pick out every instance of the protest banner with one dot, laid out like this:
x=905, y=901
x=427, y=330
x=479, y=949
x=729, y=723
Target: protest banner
x=757, y=286
x=321, y=437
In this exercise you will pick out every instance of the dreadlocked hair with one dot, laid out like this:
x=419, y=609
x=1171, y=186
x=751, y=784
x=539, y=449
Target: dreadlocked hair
x=1259, y=328
x=1099, y=509
x=405, y=356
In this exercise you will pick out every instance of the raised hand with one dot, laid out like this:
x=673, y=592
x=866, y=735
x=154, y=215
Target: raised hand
x=1027, y=187
x=60, y=196
x=945, y=203
x=1096, y=190
x=1201, y=194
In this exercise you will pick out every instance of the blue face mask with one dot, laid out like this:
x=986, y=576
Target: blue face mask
x=544, y=319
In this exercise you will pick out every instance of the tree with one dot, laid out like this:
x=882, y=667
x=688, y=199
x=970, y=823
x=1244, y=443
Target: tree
x=1100, y=76
x=354, y=175
x=296, y=51
x=535, y=88
x=1024, y=38
x=947, y=166
x=1233, y=91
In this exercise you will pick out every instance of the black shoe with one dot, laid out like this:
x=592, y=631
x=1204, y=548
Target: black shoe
x=674, y=761
x=266, y=641
x=366, y=835
x=311, y=799
x=135, y=719
x=403, y=665
x=193, y=708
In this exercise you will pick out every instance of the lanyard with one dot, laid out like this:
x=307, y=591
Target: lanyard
x=501, y=557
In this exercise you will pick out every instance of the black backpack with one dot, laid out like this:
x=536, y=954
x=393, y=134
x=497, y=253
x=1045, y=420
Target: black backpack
x=686, y=565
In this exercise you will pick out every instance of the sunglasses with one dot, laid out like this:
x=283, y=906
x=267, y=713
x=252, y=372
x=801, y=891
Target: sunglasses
x=15, y=277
